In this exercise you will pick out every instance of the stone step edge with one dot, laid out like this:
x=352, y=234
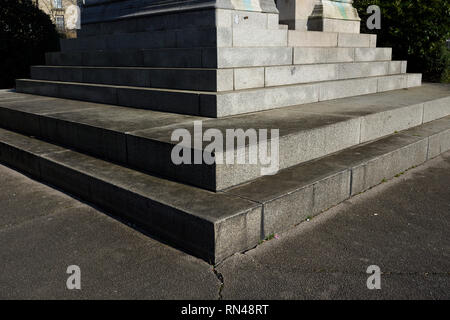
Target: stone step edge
x=208, y=93
x=210, y=240
x=323, y=34
x=212, y=104
x=207, y=68
x=206, y=56
x=423, y=112
x=248, y=222
x=221, y=80
x=410, y=148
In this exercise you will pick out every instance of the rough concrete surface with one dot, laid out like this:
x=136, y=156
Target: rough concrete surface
x=401, y=226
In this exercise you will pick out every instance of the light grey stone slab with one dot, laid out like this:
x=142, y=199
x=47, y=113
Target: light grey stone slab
x=224, y=79
x=302, y=191
x=362, y=69
x=253, y=57
x=414, y=80
x=392, y=83
x=438, y=134
x=387, y=166
x=259, y=38
x=273, y=21
x=395, y=67
x=312, y=39
x=298, y=147
x=385, y=123
x=260, y=99
x=297, y=193
x=247, y=78
x=276, y=76
x=302, y=137
x=404, y=66
x=373, y=54
x=322, y=55
x=346, y=88
x=354, y=40
x=242, y=19
x=436, y=109
x=438, y=144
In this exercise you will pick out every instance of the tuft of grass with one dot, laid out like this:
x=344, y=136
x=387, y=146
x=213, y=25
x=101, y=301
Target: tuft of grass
x=268, y=238
x=399, y=174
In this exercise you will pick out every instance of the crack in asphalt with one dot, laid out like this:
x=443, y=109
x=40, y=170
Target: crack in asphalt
x=219, y=277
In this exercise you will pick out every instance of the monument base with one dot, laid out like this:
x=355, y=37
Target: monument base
x=156, y=72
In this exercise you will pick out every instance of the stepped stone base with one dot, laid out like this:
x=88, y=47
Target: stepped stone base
x=143, y=68
x=216, y=225
x=215, y=62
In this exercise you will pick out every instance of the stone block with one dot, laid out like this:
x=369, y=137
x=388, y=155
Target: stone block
x=247, y=78
x=276, y=76
x=347, y=88
x=312, y=39
x=259, y=38
x=373, y=54
x=436, y=109
x=322, y=55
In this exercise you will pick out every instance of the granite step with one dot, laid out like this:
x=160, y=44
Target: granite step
x=181, y=38
x=217, y=104
x=214, y=226
x=175, y=57
x=298, y=38
x=142, y=139
x=217, y=79
x=166, y=78
x=217, y=57
x=186, y=20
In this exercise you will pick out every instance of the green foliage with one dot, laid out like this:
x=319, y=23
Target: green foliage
x=417, y=31
x=26, y=33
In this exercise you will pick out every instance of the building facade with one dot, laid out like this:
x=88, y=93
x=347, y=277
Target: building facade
x=56, y=9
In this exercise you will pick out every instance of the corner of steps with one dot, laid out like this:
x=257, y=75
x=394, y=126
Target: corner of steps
x=215, y=225
x=211, y=225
